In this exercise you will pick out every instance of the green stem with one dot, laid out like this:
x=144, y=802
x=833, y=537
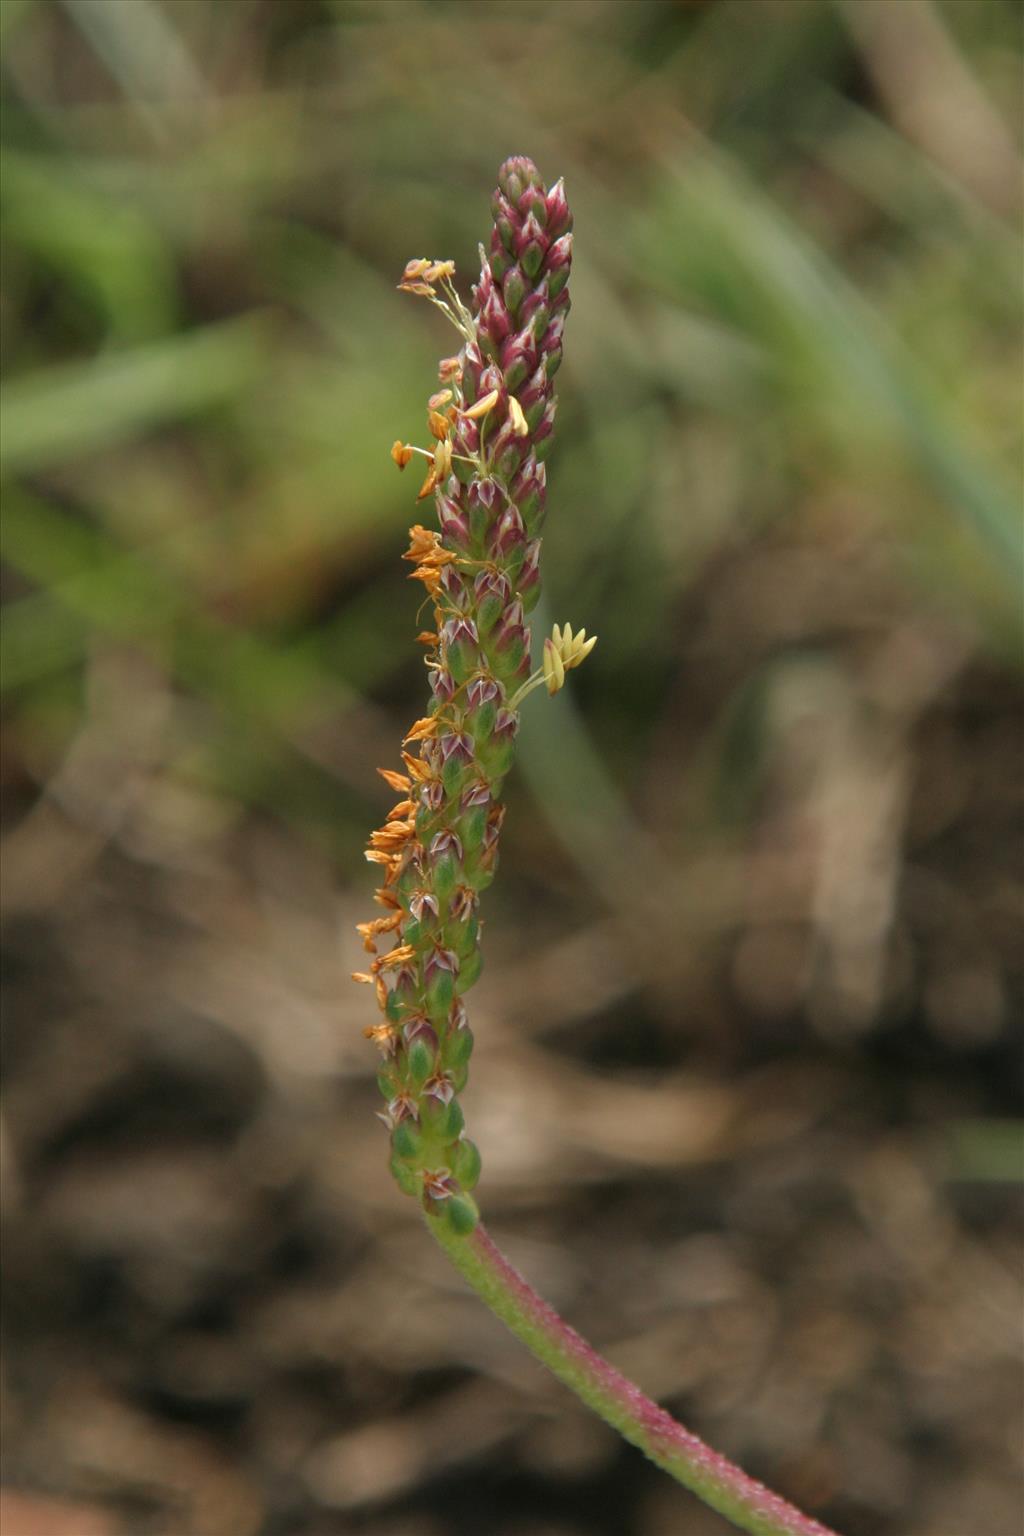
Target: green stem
x=748, y=1504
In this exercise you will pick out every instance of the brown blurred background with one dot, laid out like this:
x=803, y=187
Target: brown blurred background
x=747, y=1073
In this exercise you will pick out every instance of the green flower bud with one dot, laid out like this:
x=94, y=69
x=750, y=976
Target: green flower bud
x=439, y=993
x=530, y=258
x=407, y=1140
x=514, y=289
x=466, y=1163
x=405, y=1177
x=472, y=825
x=461, y=1214
x=454, y=774
x=457, y=1047
x=469, y=974
x=420, y=1060
x=442, y=1119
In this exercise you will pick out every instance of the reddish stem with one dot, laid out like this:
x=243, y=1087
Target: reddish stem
x=747, y=1503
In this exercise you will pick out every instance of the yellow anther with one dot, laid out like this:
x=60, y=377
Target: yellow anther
x=483, y=405
x=554, y=667
x=437, y=270
x=562, y=650
x=516, y=417
x=573, y=649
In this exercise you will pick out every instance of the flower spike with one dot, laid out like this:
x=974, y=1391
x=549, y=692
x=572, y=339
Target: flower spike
x=490, y=424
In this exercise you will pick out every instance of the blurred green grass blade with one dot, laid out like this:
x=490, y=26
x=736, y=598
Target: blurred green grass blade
x=144, y=52
x=711, y=237
x=39, y=637
x=117, y=593
x=90, y=588
x=134, y=598
x=990, y=1151
x=55, y=413
x=101, y=244
x=11, y=12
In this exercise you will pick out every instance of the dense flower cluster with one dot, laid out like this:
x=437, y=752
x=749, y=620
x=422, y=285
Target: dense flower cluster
x=491, y=422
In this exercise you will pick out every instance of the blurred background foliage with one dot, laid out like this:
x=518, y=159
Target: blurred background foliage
x=748, y=1074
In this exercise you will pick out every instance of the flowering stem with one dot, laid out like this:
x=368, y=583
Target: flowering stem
x=748, y=1504
x=492, y=423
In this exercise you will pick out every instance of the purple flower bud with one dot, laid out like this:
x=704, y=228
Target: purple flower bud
x=529, y=571
x=513, y=616
x=482, y=690
x=450, y=516
x=444, y=842
x=463, y=903
x=484, y=288
x=460, y=629
x=505, y=219
x=531, y=255
x=472, y=367
x=466, y=437
x=530, y=232
x=511, y=650
x=535, y=309
x=477, y=794
x=482, y=493
x=442, y=684
x=438, y=1185
x=557, y=207
x=492, y=591
x=420, y=1028
x=458, y=746
x=431, y=756
x=402, y=1107
x=555, y=331
x=532, y=202
x=529, y=485
x=405, y=984
x=506, y=724
x=510, y=532
x=432, y=795
x=439, y=1087
x=508, y=451
x=453, y=586
x=533, y=394
x=455, y=532
x=518, y=358
x=440, y=959
x=499, y=259
x=546, y=425
x=421, y=902
x=491, y=583
x=494, y=320
x=559, y=254
x=513, y=177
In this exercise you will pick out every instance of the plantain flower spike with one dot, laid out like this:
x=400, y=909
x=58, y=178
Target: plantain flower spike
x=491, y=426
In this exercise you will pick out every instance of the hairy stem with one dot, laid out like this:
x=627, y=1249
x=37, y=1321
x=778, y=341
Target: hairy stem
x=723, y=1486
